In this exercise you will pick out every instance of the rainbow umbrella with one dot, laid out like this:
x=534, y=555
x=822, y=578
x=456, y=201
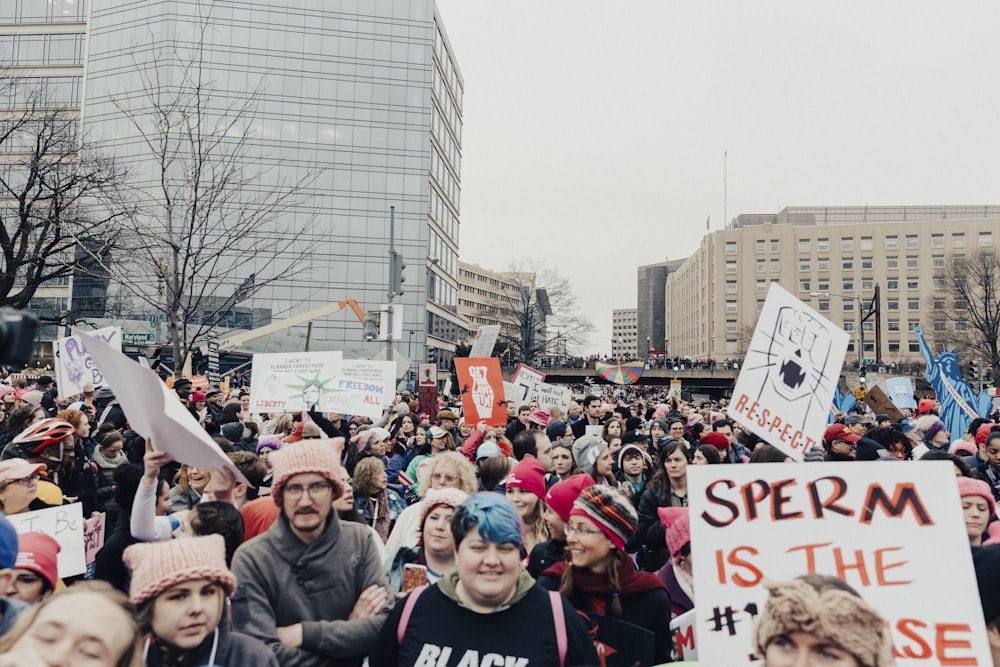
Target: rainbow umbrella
x=627, y=373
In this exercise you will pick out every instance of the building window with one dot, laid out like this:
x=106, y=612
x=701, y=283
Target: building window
x=866, y=263
x=913, y=347
x=938, y=304
x=775, y=246
x=893, y=325
x=730, y=247
x=912, y=262
x=761, y=285
x=761, y=265
x=891, y=242
x=867, y=285
x=848, y=326
x=823, y=285
x=847, y=244
x=961, y=325
x=985, y=239
x=804, y=286
x=868, y=327
x=894, y=346
x=805, y=245
x=958, y=240
x=730, y=287
x=958, y=261
x=760, y=245
x=824, y=306
x=892, y=262
x=847, y=264
x=848, y=305
x=775, y=265
x=866, y=243
x=823, y=264
x=892, y=304
x=730, y=267
x=961, y=304
x=892, y=283
x=732, y=347
x=913, y=283
x=939, y=326
x=937, y=262
x=760, y=305
x=847, y=285
x=804, y=265
x=912, y=241
x=730, y=306
x=730, y=326
x=911, y=325
x=937, y=240
x=913, y=304
x=937, y=283
x=823, y=245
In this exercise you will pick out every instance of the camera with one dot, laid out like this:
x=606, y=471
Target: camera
x=17, y=336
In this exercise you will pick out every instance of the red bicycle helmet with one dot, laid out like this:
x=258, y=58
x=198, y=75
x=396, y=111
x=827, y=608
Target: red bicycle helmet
x=45, y=433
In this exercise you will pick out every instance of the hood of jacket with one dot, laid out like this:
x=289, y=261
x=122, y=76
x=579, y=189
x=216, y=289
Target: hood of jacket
x=449, y=583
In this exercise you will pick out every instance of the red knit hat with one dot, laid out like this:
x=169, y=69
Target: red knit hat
x=540, y=417
x=316, y=456
x=529, y=475
x=609, y=510
x=967, y=486
x=157, y=566
x=716, y=439
x=37, y=552
x=925, y=406
x=563, y=494
x=983, y=431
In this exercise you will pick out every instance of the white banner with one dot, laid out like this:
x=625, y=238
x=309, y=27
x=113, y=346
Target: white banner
x=526, y=377
x=486, y=338
x=74, y=365
x=293, y=381
x=361, y=387
x=65, y=525
x=784, y=392
x=887, y=530
x=685, y=640
x=548, y=395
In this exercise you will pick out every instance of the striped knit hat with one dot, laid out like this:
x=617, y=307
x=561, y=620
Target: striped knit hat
x=610, y=511
x=157, y=566
x=316, y=456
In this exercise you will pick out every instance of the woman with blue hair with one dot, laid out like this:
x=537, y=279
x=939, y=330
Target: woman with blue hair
x=487, y=605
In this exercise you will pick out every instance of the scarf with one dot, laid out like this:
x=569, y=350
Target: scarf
x=105, y=463
x=378, y=511
x=590, y=583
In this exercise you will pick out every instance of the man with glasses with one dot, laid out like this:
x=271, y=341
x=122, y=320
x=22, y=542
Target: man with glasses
x=311, y=587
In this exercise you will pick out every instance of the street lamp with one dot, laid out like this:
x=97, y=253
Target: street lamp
x=861, y=321
x=648, y=351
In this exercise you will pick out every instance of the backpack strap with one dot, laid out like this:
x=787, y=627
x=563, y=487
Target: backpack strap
x=560, y=622
x=404, y=619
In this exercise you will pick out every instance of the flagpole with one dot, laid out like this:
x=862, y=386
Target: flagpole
x=725, y=189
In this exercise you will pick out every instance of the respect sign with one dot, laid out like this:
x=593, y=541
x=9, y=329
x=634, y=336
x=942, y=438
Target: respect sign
x=784, y=392
x=884, y=529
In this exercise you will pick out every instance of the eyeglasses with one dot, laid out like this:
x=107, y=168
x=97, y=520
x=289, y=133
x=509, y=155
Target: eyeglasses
x=581, y=531
x=27, y=481
x=315, y=490
x=444, y=477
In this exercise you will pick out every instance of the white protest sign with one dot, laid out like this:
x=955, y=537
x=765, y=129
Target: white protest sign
x=548, y=395
x=361, y=387
x=93, y=535
x=156, y=413
x=884, y=529
x=525, y=377
x=74, y=365
x=784, y=392
x=513, y=394
x=292, y=381
x=65, y=525
x=486, y=338
x=685, y=640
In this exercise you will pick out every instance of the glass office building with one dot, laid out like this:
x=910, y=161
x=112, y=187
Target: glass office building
x=359, y=99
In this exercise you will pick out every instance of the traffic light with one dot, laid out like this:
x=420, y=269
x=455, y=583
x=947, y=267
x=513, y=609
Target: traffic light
x=371, y=325
x=397, y=267
x=975, y=372
x=862, y=378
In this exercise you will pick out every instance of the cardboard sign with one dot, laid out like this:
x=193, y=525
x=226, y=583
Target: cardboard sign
x=155, y=412
x=486, y=338
x=526, y=377
x=885, y=529
x=65, y=525
x=786, y=387
x=93, y=536
x=881, y=404
x=548, y=395
x=361, y=387
x=685, y=639
x=291, y=382
x=427, y=375
x=74, y=365
x=513, y=393
x=480, y=382
x=427, y=397
x=900, y=391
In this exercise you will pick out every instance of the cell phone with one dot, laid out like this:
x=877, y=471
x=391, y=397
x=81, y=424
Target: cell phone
x=414, y=576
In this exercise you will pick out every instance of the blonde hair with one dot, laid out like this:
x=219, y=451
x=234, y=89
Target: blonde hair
x=466, y=472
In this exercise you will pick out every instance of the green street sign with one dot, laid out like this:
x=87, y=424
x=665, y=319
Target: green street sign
x=154, y=320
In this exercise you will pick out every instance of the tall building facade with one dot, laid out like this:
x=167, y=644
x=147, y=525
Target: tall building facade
x=361, y=101
x=491, y=297
x=832, y=258
x=623, y=334
x=652, y=308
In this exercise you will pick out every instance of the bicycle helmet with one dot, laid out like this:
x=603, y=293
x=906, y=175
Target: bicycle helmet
x=45, y=433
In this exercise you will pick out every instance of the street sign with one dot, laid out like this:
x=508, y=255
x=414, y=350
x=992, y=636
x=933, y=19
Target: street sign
x=859, y=393
x=140, y=338
x=213, y=359
x=154, y=320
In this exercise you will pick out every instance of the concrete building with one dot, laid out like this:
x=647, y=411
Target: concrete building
x=508, y=299
x=845, y=252
x=623, y=334
x=652, y=307
x=365, y=96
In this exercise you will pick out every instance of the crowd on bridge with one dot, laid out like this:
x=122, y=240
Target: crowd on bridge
x=419, y=538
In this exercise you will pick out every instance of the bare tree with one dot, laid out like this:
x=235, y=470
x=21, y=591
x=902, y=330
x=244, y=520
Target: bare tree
x=207, y=209
x=48, y=185
x=969, y=307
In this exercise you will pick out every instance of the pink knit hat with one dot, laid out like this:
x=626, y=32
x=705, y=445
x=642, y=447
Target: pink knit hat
x=437, y=497
x=157, y=566
x=529, y=475
x=677, y=521
x=967, y=486
x=316, y=456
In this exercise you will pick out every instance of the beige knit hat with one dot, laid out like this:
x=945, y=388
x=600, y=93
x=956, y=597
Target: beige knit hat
x=157, y=566
x=833, y=614
x=316, y=456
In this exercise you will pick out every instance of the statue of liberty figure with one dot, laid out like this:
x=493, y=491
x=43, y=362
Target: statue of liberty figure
x=959, y=403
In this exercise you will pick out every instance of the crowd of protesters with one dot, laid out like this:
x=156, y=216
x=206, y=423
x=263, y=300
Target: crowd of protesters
x=415, y=538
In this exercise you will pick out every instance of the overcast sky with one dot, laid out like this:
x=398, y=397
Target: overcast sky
x=594, y=132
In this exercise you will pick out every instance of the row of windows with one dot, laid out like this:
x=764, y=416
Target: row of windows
x=443, y=216
x=42, y=11
x=846, y=263
x=911, y=241
x=53, y=91
x=448, y=71
x=42, y=50
x=444, y=178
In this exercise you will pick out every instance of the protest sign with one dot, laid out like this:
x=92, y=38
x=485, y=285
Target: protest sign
x=486, y=338
x=548, y=395
x=156, y=413
x=74, y=365
x=789, y=376
x=292, y=381
x=513, y=394
x=361, y=387
x=685, y=640
x=480, y=382
x=525, y=377
x=883, y=529
x=900, y=391
x=93, y=535
x=427, y=375
x=65, y=525
x=881, y=404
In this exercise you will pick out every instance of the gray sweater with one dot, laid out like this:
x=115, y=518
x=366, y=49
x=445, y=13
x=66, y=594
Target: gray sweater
x=282, y=582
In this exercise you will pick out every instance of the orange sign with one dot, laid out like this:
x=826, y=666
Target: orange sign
x=480, y=382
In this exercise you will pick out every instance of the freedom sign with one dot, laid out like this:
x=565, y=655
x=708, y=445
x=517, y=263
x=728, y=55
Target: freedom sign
x=784, y=392
x=480, y=382
x=362, y=387
x=886, y=529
